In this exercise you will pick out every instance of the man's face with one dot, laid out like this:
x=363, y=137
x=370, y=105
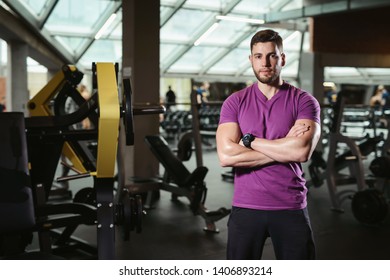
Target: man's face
x=267, y=62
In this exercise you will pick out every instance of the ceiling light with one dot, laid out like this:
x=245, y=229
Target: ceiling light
x=105, y=26
x=206, y=34
x=291, y=37
x=329, y=84
x=240, y=19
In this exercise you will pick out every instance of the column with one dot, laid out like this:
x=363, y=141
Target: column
x=140, y=63
x=17, y=95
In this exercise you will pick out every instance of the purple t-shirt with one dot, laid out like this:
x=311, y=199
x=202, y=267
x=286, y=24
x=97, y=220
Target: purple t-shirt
x=275, y=186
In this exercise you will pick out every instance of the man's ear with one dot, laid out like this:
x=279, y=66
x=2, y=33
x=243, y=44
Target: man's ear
x=283, y=59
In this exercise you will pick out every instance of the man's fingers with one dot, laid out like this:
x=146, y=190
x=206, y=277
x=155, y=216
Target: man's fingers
x=298, y=130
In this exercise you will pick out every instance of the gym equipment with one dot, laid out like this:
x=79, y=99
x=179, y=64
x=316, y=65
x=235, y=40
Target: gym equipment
x=228, y=175
x=177, y=122
x=354, y=160
x=201, y=121
x=17, y=219
x=50, y=102
x=47, y=134
x=180, y=182
x=174, y=123
x=369, y=206
x=368, y=203
x=184, y=147
x=380, y=167
x=16, y=202
x=317, y=167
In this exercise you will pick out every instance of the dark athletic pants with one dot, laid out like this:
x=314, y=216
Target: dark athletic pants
x=290, y=232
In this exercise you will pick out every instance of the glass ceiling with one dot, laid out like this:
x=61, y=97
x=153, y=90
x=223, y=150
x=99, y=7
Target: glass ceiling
x=74, y=27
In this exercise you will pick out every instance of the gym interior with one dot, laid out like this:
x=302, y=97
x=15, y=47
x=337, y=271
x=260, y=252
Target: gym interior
x=118, y=172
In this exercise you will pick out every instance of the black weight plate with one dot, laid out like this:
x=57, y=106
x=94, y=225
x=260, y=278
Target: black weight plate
x=380, y=167
x=86, y=195
x=184, y=147
x=369, y=206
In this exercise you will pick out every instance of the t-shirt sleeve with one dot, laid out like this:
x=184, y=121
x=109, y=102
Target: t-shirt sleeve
x=309, y=108
x=229, y=110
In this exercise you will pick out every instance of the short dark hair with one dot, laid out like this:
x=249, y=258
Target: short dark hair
x=267, y=35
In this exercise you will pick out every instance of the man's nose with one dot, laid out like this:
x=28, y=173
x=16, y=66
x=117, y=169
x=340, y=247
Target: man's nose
x=265, y=61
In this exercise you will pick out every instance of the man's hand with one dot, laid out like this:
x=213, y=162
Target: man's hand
x=298, y=130
x=295, y=131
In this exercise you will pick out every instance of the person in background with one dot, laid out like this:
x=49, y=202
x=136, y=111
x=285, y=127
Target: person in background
x=331, y=95
x=386, y=98
x=378, y=100
x=265, y=132
x=170, y=98
x=202, y=93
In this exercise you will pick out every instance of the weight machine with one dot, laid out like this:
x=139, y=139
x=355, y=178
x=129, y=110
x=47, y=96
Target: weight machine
x=177, y=179
x=180, y=181
x=367, y=201
x=50, y=135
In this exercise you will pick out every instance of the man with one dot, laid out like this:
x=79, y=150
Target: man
x=265, y=131
x=170, y=98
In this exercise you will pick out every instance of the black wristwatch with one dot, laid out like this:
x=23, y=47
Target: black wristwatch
x=247, y=139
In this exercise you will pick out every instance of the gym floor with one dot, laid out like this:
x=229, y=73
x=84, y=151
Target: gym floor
x=171, y=232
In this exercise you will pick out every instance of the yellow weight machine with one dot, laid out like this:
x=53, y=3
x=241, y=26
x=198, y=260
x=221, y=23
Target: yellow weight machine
x=61, y=86
x=49, y=135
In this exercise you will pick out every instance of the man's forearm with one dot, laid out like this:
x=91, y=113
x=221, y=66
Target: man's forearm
x=284, y=149
x=239, y=156
x=297, y=146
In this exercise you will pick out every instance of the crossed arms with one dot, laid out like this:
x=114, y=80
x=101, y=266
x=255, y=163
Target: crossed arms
x=296, y=146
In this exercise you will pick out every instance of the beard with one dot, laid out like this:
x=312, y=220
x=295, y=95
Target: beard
x=267, y=79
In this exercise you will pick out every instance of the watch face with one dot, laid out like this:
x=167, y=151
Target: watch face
x=247, y=139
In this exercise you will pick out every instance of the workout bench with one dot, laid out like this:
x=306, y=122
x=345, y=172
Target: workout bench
x=181, y=182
